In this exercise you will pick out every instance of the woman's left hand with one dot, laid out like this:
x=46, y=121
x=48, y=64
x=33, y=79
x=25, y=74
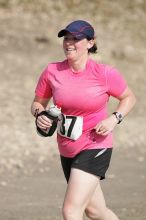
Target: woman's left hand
x=106, y=126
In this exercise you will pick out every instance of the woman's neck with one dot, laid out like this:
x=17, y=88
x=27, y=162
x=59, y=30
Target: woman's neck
x=78, y=65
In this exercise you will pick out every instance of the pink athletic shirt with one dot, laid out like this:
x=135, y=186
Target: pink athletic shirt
x=86, y=94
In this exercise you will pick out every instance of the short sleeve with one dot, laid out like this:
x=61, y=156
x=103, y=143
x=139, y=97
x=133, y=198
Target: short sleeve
x=43, y=88
x=116, y=83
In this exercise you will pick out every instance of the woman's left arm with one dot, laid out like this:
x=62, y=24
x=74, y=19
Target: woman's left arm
x=126, y=103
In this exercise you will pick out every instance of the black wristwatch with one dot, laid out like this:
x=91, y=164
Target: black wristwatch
x=119, y=116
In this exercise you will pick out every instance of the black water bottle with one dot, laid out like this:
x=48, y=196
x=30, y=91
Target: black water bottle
x=53, y=114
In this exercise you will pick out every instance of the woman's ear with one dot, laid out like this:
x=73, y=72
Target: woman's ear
x=90, y=44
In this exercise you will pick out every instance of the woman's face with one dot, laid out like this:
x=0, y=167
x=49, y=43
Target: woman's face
x=75, y=49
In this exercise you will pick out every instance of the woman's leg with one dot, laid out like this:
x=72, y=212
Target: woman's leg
x=81, y=187
x=96, y=208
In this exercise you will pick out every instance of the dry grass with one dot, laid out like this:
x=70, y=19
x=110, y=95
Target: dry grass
x=73, y=5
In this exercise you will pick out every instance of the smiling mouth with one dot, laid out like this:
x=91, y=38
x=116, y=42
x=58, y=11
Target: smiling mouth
x=70, y=49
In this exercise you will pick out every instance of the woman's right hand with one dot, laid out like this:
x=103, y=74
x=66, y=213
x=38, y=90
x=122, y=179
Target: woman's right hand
x=43, y=122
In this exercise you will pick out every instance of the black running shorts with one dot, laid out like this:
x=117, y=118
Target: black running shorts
x=94, y=161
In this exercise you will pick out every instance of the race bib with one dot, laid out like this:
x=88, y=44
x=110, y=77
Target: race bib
x=70, y=126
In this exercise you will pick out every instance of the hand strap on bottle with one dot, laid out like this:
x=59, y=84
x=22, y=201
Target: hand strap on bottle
x=51, y=130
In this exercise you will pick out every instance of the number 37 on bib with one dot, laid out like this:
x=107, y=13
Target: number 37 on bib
x=70, y=126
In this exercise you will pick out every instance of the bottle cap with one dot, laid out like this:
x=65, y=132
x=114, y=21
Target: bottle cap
x=55, y=110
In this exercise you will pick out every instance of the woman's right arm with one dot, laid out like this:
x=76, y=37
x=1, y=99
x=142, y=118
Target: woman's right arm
x=38, y=105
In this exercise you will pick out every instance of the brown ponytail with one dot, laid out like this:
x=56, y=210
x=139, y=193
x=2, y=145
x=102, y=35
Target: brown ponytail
x=93, y=49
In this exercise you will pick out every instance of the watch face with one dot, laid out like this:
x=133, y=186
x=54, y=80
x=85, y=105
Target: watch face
x=118, y=116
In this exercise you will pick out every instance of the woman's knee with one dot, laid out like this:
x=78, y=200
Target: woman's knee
x=95, y=214
x=71, y=212
x=67, y=211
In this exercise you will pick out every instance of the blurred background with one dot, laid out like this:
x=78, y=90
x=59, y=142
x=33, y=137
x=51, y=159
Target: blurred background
x=28, y=41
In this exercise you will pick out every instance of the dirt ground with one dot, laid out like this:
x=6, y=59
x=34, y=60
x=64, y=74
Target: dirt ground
x=39, y=196
x=31, y=180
